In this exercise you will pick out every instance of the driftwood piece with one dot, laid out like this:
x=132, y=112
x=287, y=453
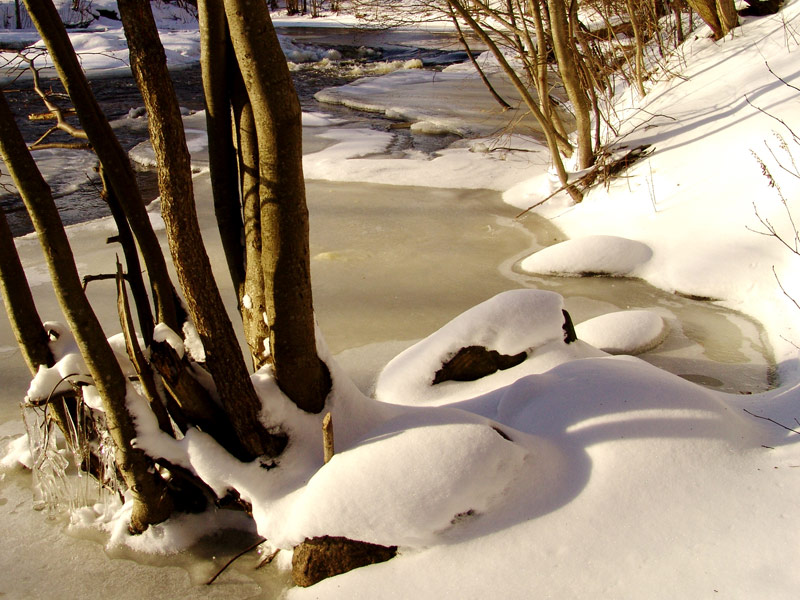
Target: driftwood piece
x=189, y=402
x=322, y=557
x=136, y=355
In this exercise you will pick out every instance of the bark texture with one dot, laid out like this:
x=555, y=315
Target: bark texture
x=223, y=356
x=20, y=306
x=283, y=213
x=569, y=70
x=720, y=15
x=217, y=63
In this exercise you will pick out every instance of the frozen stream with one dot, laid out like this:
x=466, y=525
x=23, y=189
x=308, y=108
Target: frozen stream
x=394, y=263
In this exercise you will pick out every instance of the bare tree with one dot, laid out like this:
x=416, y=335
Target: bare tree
x=115, y=163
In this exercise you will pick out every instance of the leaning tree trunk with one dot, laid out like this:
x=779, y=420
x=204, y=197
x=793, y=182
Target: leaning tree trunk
x=20, y=307
x=116, y=165
x=475, y=64
x=638, y=35
x=298, y=370
x=541, y=80
x=545, y=123
x=223, y=356
x=152, y=503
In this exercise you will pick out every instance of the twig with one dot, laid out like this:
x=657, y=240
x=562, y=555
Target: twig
x=268, y=558
x=606, y=170
x=780, y=285
x=87, y=279
x=771, y=116
x=530, y=208
x=60, y=146
x=46, y=401
x=771, y=421
x=327, y=437
x=779, y=78
x=230, y=562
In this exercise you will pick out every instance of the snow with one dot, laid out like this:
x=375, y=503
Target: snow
x=162, y=333
x=611, y=478
x=625, y=332
x=510, y=323
x=594, y=254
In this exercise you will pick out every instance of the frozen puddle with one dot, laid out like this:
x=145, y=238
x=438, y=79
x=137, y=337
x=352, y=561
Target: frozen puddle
x=391, y=264
x=706, y=344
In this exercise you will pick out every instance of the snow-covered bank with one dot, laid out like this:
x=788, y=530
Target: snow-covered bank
x=572, y=474
x=695, y=200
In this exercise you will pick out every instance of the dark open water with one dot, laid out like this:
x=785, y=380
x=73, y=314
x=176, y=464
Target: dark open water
x=78, y=198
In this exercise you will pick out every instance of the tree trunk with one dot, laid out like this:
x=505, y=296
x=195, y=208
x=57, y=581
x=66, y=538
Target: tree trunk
x=639, y=58
x=217, y=61
x=542, y=78
x=115, y=162
x=135, y=279
x=488, y=84
x=152, y=504
x=564, y=47
x=203, y=300
x=284, y=215
x=20, y=307
x=728, y=17
x=256, y=330
x=720, y=15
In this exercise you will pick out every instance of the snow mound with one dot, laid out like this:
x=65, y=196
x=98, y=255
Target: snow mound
x=16, y=452
x=510, y=323
x=624, y=332
x=591, y=255
x=411, y=478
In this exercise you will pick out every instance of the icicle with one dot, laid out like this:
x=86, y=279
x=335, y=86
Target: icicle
x=49, y=464
x=81, y=473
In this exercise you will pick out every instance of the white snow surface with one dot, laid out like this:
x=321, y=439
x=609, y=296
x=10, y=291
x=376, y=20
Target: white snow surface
x=624, y=332
x=618, y=480
x=594, y=254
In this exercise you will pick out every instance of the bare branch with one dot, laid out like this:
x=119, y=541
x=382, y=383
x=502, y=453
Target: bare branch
x=230, y=562
x=771, y=421
x=785, y=293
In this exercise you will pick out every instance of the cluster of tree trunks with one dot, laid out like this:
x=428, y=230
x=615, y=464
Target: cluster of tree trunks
x=240, y=46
